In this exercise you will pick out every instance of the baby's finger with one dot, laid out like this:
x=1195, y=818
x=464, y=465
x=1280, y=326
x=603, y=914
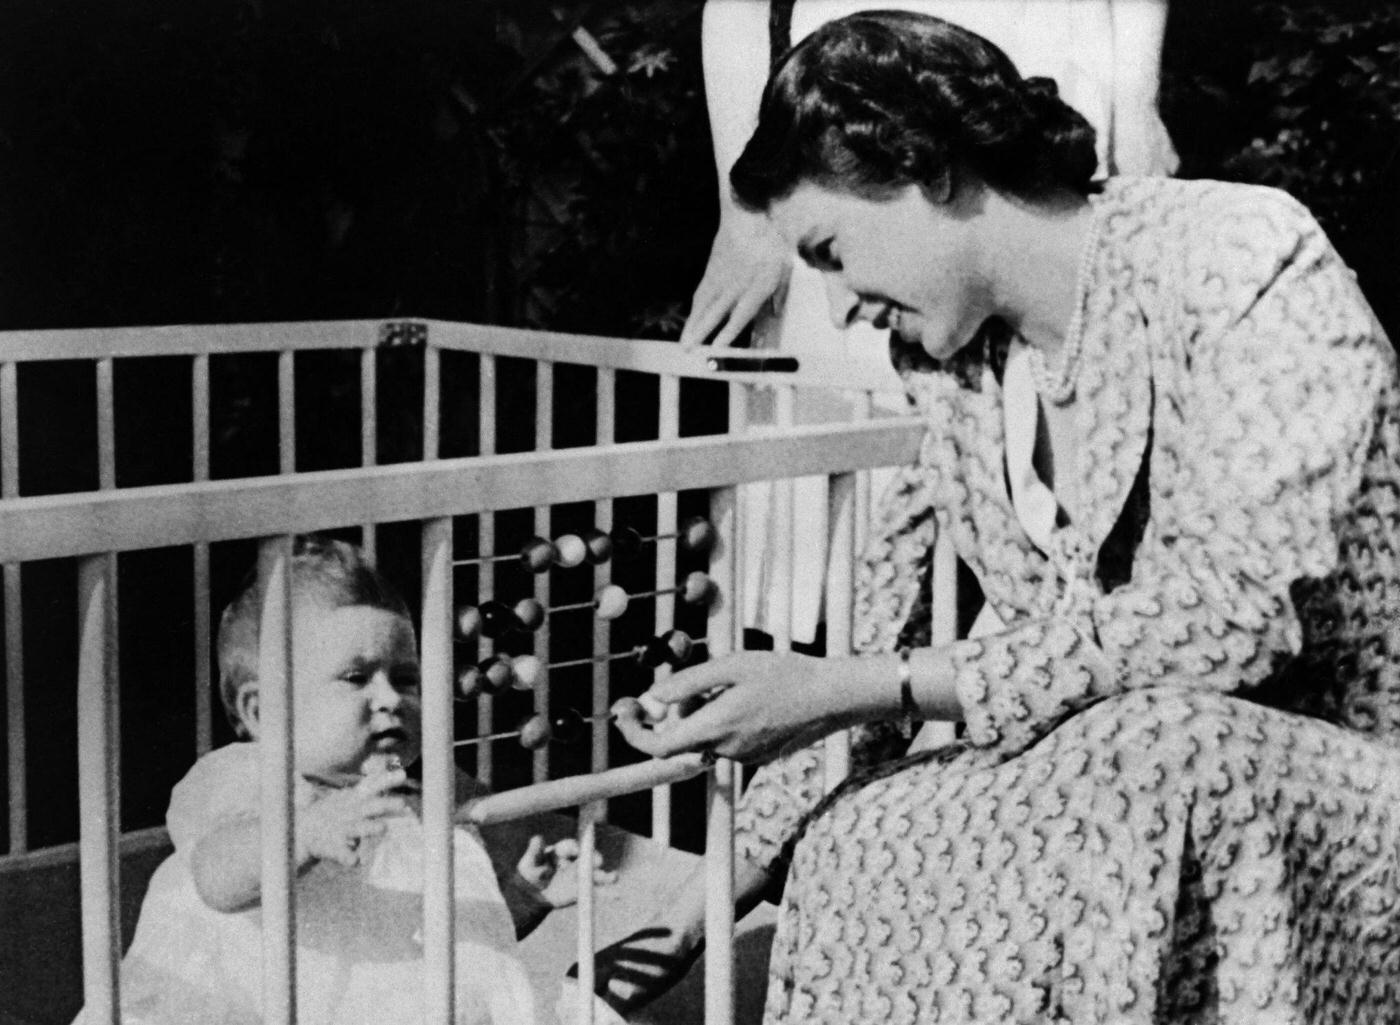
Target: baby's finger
x=565, y=850
x=604, y=878
x=383, y=807
x=382, y=782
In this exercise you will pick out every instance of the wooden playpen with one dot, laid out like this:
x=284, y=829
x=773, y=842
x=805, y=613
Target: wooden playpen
x=438, y=490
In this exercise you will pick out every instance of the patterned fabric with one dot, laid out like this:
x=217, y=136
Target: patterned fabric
x=1130, y=833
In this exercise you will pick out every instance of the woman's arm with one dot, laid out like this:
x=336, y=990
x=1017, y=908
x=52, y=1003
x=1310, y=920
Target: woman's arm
x=748, y=263
x=763, y=704
x=1140, y=143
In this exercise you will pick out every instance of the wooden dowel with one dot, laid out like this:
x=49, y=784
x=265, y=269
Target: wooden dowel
x=439, y=773
x=863, y=410
x=781, y=536
x=587, y=915
x=574, y=791
x=98, y=768
x=203, y=615
x=606, y=434
x=106, y=427
x=944, y=628
x=486, y=542
x=369, y=434
x=286, y=412
x=840, y=594
x=668, y=398
x=544, y=440
x=275, y=718
x=17, y=770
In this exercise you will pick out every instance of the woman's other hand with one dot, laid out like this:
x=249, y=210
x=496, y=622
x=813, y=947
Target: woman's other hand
x=757, y=704
x=748, y=265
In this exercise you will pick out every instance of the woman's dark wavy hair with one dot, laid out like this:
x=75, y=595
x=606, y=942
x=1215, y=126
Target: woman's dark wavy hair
x=876, y=101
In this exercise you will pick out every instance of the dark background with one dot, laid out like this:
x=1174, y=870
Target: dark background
x=171, y=162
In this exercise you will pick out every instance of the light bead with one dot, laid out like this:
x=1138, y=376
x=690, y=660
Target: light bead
x=569, y=550
x=468, y=622
x=496, y=674
x=469, y=682
x=610, y=602
x=599, y=546
x=681, y=646
x=525, y=671
x=697, y=535
x=537, y=555
x=654, y=709
x=530, y=613
x=698, y=589
x=535, y=733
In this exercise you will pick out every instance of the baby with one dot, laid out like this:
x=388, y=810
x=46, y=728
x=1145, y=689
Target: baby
x=197, y=955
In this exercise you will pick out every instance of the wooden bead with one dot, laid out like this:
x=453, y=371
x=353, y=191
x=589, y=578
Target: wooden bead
x=654, y=709
x=653, y=653
x=469, y=682
x=498, y=619
x=530, y=613
x=537, y=555
x=468, y=622
x=610, y=602
x=680, y=644
x=697, y=535
x=535, y=733
x=567, y=726
x=598, y=544
x=525, y=671
x=569, y=550
x=626, y=542
x=496, y=673
x=698, y=589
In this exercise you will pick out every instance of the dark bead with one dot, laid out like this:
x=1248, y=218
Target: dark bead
x=627, y=543
x=498, y=619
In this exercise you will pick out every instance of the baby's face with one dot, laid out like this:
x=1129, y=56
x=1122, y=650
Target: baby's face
x=356, y=689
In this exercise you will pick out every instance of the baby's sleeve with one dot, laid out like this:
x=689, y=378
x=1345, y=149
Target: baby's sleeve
x=224, y=784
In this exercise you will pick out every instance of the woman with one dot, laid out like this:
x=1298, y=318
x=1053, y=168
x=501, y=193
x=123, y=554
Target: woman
x=1164, y=432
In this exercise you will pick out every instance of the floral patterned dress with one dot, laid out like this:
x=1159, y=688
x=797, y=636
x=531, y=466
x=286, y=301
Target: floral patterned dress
x=1178, y=794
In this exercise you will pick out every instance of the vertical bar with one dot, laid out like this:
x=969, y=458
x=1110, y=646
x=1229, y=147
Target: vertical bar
x=286, y=412
x=439, y=772
x=544, y=440
x=203, y=615
x=840, y=592
x=486, y=545
x=17, y=772
x=106, y=427
x=602, y=576
x=98, y=767
x=275, y=720
x=668, y=421
x=369, y=432
x=722, y=787
x=587, y=843
x=781, y=535
x=944, y=629
x=864, y=407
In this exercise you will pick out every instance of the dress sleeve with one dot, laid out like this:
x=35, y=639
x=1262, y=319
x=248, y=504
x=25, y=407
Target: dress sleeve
x=1286, y=369
x=224, y=784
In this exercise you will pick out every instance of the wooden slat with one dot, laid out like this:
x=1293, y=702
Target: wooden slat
x=835, y=370
x=781, y=536
x=133, y=518
x=203, y=614
x=439, y=772
x=286, y=412
x=369, y=435
x=722, y=789
x=606, y=403
x=486, y=545
x=840, y=594
x=106, y=427
x=544, y=441
x=277, y=815
x=16, y=769
x=668, y=423
x=98, y=770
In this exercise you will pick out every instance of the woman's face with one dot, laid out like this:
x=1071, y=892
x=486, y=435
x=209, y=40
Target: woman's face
x=905, y=263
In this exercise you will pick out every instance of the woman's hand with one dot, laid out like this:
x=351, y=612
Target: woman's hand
x=758, y=705
x=748, y=265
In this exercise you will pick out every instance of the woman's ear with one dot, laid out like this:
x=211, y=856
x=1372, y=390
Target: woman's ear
x=245, y=703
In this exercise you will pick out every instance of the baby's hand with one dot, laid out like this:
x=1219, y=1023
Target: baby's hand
x=332, y=827
x=552, y=871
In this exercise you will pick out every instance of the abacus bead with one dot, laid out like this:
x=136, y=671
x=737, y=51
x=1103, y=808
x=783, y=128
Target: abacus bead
x=697, y=535
x=497, y=619
x=680, y=645
x=535, y=733
x=496, y=674
x=525, y=670
x=530, y=613
x=627, y=543
x=697, y=589
x=537, y=555
x=569, y=550
x=654, y=653
x=468, y=622
x=567, y=726
x=599, y=546
x=469, y=682
x=610, y=601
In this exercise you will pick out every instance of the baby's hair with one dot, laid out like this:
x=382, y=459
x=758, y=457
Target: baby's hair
x=333, y=574
x=874, y=102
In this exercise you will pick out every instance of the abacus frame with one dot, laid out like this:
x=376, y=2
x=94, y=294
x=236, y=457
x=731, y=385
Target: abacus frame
x=92, y=527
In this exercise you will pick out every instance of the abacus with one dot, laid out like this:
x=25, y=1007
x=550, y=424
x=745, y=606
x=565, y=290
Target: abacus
x=491, y=613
